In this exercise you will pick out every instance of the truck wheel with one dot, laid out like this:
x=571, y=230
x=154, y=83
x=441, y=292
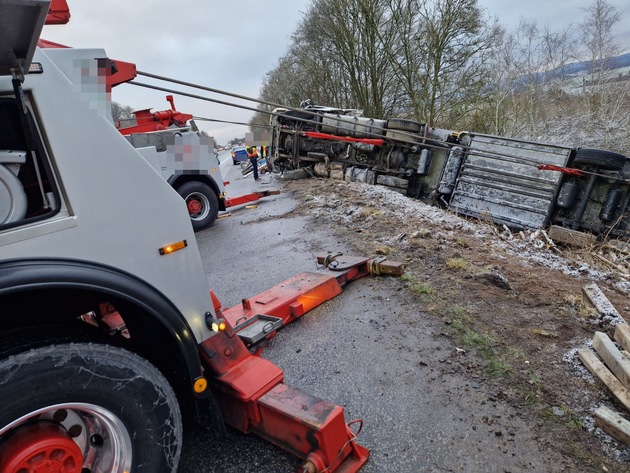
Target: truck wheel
x=80, y=407
x=597, y=157
x=202, y=203
x=404, y=125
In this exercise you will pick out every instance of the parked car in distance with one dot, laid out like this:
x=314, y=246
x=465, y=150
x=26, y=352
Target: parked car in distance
x=239, y=154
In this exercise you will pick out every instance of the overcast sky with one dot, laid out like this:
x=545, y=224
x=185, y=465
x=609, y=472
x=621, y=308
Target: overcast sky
x=230, y=45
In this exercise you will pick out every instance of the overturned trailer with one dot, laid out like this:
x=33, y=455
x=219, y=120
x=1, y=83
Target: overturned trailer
x=521, y=184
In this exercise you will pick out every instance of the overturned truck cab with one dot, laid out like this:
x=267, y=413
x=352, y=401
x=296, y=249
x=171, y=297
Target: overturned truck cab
x=517, y=183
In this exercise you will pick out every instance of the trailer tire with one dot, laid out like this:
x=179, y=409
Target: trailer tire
x=404, y=125
x=597, y=157
x=202, y=204
x=95, y=403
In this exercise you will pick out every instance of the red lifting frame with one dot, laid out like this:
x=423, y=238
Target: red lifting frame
x=146, y=121
x=251, y=391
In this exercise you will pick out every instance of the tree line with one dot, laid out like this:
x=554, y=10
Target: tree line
x=448, y=64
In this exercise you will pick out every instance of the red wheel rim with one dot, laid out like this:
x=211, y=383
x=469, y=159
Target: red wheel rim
x=43, y=448
x=194, y=206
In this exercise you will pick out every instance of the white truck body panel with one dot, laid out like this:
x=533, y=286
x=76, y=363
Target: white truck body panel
x=98, y=211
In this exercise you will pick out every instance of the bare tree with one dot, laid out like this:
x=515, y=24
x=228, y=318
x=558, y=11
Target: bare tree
x=442, y=56
x=443, y=62
x=121, y=112
x=605, y=99
x=598, y=38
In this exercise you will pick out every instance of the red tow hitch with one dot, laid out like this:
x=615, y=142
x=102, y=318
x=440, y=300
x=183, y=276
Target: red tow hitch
x=251, y=391
x=41, y=448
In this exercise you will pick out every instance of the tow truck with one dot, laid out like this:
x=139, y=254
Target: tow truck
x=110, y=339
x=171, y=142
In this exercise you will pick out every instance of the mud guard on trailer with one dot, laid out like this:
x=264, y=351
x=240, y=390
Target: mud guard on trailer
x=251, y=391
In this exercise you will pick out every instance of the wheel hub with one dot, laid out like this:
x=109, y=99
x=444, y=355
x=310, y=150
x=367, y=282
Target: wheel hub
x=41, y=448
x=194, y=206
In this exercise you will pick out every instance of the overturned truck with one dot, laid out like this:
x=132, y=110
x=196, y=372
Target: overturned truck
x=520, y=184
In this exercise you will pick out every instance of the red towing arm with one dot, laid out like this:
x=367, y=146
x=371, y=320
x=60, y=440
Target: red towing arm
x=58, y=13
x=251, y=391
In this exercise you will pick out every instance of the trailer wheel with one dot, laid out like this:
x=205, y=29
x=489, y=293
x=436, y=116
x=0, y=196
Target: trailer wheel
x=597, y=157
x=404, y=125
x=202, y=204
x=80, y=407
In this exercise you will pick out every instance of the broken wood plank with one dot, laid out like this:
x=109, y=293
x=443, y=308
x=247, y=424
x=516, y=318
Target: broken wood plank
x=572, y=237
x=621, y=269
x=616, y=362
x=613, y=424
x=599, y=370
x=600, y=301
x=622, y=335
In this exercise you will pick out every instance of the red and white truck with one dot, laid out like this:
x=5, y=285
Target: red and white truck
x=110, y=340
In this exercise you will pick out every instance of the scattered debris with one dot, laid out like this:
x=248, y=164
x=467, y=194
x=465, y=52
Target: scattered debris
x=599, y=369
x=607, y=312
x=613, y=424
x=572, y=237
x=614, y=372
x=495, y=278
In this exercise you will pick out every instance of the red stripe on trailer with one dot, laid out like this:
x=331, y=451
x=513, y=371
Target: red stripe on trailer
x=326, y=136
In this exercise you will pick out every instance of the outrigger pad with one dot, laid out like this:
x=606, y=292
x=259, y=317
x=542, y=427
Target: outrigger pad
x=310, y=428
x=374, y=266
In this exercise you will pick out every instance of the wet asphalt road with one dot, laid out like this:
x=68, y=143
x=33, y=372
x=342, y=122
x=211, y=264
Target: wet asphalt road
x=370, y=350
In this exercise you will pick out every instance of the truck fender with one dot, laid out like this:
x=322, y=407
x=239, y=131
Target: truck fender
x=45, y=276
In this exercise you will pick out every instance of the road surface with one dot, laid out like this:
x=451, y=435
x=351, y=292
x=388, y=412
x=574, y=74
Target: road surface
x=371, y=350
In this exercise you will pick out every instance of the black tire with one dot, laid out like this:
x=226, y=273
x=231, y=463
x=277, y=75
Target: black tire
x=404, y=125
x=97, y=403
x=202, y=204
x=234, y=162
x=597, y=157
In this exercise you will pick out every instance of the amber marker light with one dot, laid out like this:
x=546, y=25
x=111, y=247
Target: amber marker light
x=200, y=385
x=168, y=249
x=219, y=326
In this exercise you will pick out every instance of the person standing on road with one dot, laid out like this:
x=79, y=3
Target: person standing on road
x=252, y=154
